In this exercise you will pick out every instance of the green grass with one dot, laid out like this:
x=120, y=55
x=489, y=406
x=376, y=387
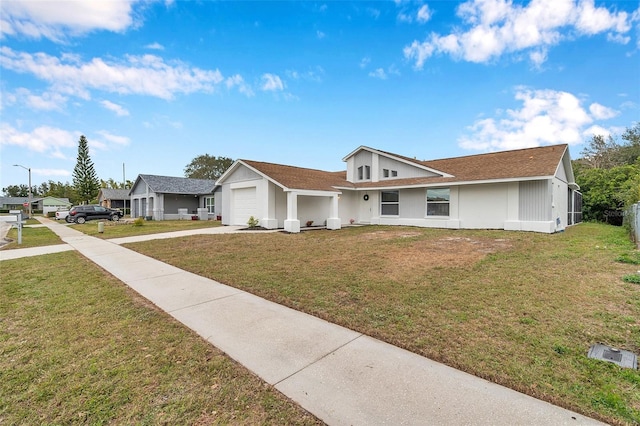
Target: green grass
x=520, y=309
x=31, y=237
x=79, y=347
x=128, y=229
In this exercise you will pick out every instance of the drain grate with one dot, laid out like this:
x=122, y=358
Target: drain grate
x=617, y=356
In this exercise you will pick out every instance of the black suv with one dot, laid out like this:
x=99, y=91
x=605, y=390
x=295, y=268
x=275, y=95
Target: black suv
x=80, y=214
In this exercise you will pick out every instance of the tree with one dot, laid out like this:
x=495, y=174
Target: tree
x=85, y=180
x=207, y=167
x=609, y=176
x=18, y=191
x=113, y=184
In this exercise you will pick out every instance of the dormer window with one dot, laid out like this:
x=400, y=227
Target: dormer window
x=364, y=173
x=389, y=173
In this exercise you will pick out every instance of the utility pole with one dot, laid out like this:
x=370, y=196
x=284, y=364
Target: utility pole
x=29, y=170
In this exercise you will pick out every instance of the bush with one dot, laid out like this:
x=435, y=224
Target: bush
x=51, y=214
x=253, y=222
x=632, y=278
x=139, y=221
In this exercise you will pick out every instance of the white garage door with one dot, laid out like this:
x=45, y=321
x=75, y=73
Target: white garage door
x=244, y=205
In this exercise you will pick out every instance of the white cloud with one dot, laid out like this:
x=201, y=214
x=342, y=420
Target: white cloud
x=365, y=62
x=601, y=112
x=320, y=35
x=118, y=109
x=44, y=139
x=424, y=14
x=114, y=139
x=237, y=81
x=47, y=101
x=378, y=73
x=492, y=28
x=546, y=117
x=57, y=19
x=143, y=75
x=271, y=83
x=596, y=130
x=155, y=46
x=51, y=172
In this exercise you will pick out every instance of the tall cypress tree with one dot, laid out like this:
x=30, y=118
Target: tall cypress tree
x=85, y=179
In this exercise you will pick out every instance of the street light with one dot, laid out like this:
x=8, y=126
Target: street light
x=29, y=170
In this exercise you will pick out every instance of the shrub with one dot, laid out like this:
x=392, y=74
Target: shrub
x=139, y=221
x=253, y=222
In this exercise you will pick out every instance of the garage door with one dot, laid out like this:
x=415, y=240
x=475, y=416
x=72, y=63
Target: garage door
x=244, y=205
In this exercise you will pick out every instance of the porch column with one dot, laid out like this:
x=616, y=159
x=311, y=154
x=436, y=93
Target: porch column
x=333, y=222
x=292, y=224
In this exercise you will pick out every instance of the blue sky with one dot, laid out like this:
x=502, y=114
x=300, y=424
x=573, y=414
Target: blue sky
x=153, y=84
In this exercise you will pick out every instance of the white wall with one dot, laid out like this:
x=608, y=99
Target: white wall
x=483, y=206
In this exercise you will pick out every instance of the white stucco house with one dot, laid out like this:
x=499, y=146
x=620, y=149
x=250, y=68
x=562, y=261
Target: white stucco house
x=525, y=190
x=172, y=198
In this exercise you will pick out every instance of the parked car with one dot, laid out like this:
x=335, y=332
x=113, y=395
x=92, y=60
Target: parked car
x=62, y=214
x=80, y=214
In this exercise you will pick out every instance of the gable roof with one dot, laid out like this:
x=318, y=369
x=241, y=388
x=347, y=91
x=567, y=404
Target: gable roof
x=113, y=194
x=528, y=163
x=503, y=165
x=291, y=177
x=401, y=158
x=177, y=185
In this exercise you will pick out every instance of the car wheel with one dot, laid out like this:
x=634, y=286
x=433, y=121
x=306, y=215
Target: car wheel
x=80, y=220
x=115, y=218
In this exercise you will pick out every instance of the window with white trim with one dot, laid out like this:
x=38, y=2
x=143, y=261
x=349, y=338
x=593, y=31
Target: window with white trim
x=438, y=202
x=390, y=203
x=209, y=203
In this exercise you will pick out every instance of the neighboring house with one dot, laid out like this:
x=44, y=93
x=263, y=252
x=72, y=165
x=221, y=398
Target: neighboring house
x=167, y=197
x=50, y=204
x=13, y=203
x=115, y=199
x=526, y=190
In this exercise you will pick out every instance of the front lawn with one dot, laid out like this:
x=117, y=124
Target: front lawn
x=79, y=347
x=520, y=309
x=128, y=228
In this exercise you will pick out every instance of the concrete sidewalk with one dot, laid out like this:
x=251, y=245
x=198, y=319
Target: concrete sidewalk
x=341, y=376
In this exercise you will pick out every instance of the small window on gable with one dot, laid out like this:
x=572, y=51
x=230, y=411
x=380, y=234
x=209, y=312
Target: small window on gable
x=367, y=172
x=360, y=173
x=385, y=172
x=394, y=173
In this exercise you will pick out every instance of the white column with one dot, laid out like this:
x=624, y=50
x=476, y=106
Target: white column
x=292, y=224
x=333, y=222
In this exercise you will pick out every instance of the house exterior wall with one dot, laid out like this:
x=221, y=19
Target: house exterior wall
x=483, y=206
x=315, y=209
x=534, y=201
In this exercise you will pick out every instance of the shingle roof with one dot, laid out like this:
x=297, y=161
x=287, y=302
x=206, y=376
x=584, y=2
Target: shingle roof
x=504, y=165
x=179, y=185
x=299, y=177
x=13, y=200
x=114, y=194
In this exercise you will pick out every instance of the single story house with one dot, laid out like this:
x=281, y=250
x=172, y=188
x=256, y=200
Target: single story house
x=115, y=199
x=50, y=204
x=170, y=198
x=13, y=203
x=525, y=190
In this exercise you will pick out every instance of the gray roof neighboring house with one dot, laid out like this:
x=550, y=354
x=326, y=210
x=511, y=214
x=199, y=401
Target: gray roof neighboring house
x=113, y=194
x=177, y=185
x=12, y=201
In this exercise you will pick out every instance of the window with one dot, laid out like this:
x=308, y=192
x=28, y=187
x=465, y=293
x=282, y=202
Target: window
x=389, y=203
x=364, y=173
x=394, y=173
x=438, y=202
x=385, y=172
x=209, y=203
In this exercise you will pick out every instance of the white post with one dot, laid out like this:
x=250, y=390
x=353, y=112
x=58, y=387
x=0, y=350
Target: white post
x=333, y=222
x=292, y=224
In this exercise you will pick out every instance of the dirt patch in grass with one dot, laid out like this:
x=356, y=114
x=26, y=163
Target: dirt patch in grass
x=520, y=309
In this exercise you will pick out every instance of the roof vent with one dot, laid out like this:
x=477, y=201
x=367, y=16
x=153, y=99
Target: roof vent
x=617, y=356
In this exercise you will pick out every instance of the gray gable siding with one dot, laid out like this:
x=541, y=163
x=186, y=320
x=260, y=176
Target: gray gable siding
x=241, y=174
